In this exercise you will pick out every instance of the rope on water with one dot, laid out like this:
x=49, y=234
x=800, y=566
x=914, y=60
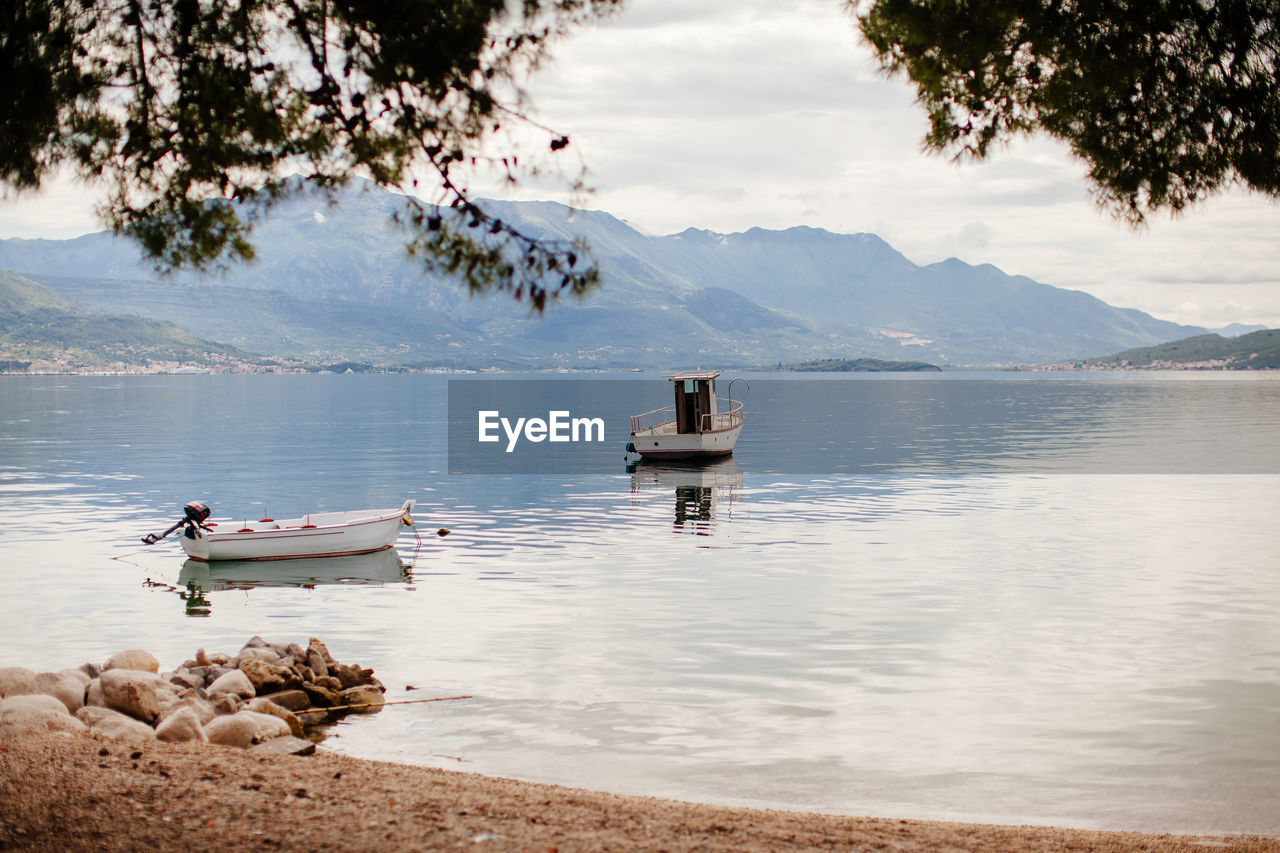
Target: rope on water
x=381, y=704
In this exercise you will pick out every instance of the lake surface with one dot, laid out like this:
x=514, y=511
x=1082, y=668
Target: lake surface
x=1024, y=598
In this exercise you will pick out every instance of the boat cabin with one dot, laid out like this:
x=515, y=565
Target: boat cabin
x=695, y=400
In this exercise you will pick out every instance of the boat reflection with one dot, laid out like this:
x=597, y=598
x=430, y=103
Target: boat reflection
x=198, y=577
x=701, y=490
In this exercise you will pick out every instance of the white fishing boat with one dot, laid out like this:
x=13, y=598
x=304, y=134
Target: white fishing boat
x=319, y=534
x=699, y=425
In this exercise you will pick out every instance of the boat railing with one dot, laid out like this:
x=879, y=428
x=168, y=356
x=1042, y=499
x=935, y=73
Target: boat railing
x=652, y=420
x=729, y=416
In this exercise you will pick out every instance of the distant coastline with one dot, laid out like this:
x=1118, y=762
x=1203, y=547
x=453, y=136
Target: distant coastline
x=1158, y=367
x=1258, y=350
x=860, y=365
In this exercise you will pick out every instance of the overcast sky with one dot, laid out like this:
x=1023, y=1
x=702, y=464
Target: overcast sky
x=731, y=114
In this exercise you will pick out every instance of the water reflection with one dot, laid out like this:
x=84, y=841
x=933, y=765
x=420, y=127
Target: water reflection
x=198, y=578
x=699, y=488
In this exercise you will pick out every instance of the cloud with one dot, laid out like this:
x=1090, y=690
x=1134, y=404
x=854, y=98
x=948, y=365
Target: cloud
x=62, y=208
x=975, y=235
x=1216, y=277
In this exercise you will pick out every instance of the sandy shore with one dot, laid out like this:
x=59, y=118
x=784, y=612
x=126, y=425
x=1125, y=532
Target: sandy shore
x=85, y=792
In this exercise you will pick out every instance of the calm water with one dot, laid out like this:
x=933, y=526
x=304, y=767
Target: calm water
x=1090, y=641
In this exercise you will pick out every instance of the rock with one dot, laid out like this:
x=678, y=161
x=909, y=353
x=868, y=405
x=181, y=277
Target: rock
x=234, y=682
x=65, y=688
x=329, y=682
x=206, y=674
x=170, y=695
x=255, y=642
x=285, y=746
x=15, y=681
x=202, y=658
x=219, y=659
x=187, y=679
x=269, y=725
x=291, y=700
x=25, y=715
x=363, y=695
x=137, y=693
x=268, y=677
x=91, y=669
x=348, y=676
x=296, y=653
x=113, y=724
x=93, y=694
x=322, y=696
x=245, y=728
x=314, y=644
x=231, y=730
x=135, y=659
x=203, y=710
x=184, y=724
x=246, y=655
x=78, y=674
x=225, y=703
x=263, y=705
x=317, y=664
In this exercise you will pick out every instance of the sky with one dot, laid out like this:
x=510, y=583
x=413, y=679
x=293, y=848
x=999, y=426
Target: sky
x=733, y=114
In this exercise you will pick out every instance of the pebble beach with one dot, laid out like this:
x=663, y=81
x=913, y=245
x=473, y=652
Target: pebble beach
x=72, y=791
x=94, y=761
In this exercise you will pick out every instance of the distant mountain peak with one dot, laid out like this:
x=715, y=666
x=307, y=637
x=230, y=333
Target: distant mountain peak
x=698, y=234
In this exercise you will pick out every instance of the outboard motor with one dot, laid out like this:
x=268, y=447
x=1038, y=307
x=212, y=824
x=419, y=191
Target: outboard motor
x=196, y=511
x=194, y=515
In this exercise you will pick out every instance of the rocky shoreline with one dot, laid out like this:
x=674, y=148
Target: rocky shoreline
x=269, y=697
x=120, y=757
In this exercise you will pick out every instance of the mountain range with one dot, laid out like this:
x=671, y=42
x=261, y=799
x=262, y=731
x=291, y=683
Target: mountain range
x=41, y=327
x=332, y=282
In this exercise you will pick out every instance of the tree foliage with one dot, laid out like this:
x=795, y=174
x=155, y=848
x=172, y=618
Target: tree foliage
x=192, y=113
x=1167, y=101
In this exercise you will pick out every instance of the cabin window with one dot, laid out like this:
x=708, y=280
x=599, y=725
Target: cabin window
x=689, y=386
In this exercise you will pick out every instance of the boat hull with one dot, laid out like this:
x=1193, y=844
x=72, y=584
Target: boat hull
x=319, y=535
x=656, y=444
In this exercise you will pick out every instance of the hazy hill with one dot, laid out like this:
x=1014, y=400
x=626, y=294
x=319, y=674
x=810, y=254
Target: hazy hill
x=758, y=297
x=1254, y=351
x=1235, y=330
x=39, y=325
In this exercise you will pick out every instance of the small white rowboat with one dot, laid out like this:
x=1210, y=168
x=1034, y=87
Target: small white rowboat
x=320, y=534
